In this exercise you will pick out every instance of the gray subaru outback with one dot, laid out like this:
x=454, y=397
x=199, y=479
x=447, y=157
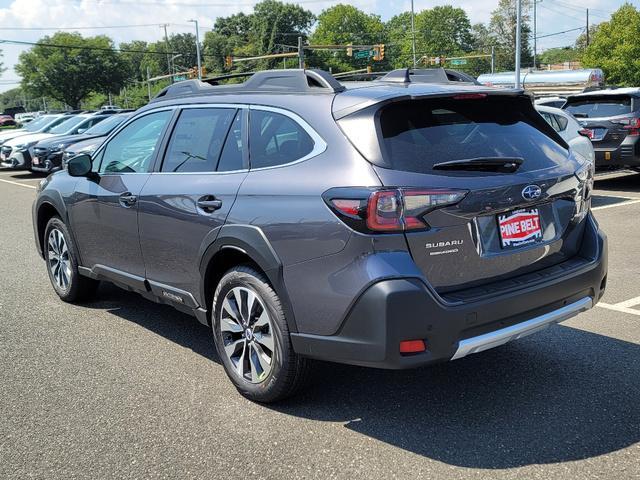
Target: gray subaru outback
x=390, y=223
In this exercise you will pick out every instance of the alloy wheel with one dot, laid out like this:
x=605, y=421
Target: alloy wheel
x=247, y=334
x=59, y=260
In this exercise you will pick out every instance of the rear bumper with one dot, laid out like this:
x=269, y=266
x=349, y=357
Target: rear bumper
x=627, y=154
x=391, y=311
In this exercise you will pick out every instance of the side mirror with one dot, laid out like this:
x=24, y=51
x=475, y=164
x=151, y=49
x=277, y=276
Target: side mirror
x=81, y=130
x=80, y=165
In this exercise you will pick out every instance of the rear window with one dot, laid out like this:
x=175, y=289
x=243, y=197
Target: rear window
x=420, y=133
x=599, y=107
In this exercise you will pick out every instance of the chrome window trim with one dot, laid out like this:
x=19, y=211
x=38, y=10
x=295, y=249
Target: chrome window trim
x=319, y=145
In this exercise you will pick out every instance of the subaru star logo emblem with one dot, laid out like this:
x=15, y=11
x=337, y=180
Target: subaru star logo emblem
x=531, y=192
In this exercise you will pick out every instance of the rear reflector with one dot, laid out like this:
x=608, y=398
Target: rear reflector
x=412, y=346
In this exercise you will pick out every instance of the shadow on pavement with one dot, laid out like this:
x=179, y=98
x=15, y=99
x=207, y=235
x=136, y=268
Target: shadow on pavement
x=622, y=184
x=163, y=320
x=560, y=395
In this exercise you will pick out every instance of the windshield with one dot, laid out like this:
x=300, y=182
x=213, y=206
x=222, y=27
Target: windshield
x=37, y=123
x=107, y=125
x=599, y=107
x=417, y=134
x=67, y=125
x=53, y=124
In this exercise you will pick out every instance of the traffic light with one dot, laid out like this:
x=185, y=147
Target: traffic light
x=203, y=72
x=228, y=61
x=192, y=72
x=350, y=50
x=376, y=53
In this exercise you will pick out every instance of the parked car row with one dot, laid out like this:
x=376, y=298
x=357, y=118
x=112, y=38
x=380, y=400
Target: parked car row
x=610, y=118
x=39, y=146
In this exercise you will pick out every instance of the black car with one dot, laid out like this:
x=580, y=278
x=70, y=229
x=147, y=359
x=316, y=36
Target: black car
x=613, y=118
x=48, y=153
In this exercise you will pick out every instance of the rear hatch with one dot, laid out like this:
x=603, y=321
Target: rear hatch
x=609, y=117
x=518, y=203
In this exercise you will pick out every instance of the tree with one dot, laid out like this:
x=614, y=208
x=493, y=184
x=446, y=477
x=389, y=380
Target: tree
x=615, y=47
x=184, y=44
x=269, y=29
x=68, y=67
x=559, y=55
x=440, y=31
x=503, y=32
x=341, y=25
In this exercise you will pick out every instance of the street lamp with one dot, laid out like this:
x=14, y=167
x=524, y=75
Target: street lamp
x=518, y=44
x=198, y=49
x=174, y=63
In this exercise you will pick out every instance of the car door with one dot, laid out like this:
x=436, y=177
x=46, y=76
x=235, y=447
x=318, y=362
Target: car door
x=189, y=195
x=104, y=213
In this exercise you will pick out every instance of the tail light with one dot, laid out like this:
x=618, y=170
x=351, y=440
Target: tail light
x=633, y=127
x=388, y=210
x=585, y=132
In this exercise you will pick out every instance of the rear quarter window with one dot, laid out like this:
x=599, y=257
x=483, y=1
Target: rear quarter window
x=417, y=134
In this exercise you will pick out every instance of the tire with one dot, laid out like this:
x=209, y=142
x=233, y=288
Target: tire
x=67, y=282
x=244, y=338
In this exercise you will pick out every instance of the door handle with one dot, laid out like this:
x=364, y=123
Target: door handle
x=209, y=203
x=127, y=199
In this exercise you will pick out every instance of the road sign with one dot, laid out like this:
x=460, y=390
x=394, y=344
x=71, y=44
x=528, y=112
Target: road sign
x=459, y=61
x=363, y=54
x=179, y=78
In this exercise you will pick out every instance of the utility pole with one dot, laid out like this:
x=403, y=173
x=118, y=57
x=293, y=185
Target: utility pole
x=198, y=49
x=166, y=40
x=300, y=53
x=413, y=35
x=587, y=31
x=535, y=33
x=149, y=83
x=493, y=59
x=518, y=44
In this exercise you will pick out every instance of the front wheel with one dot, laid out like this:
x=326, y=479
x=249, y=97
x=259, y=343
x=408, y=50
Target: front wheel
x=252, y=337
x=62, y=264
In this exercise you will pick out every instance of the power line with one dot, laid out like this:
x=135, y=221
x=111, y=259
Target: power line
x=84, y=28
x=560, y=33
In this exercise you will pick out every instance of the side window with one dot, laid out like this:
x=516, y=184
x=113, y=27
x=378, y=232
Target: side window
x=551, y=120
x=131, y=150
x=275, y=139
x=562, y=123
x=197, y=140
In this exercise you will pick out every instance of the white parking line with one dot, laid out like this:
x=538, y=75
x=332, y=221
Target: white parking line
x=632, y=302
x=618, y=308
x=613, y=205
x=18, y=183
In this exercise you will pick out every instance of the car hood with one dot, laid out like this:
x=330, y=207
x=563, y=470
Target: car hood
x=63, y=140
x=12, y=133
x=34, y=137
x=86, y=145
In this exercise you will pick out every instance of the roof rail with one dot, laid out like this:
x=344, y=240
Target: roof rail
x=427, y=75
x=272, y=81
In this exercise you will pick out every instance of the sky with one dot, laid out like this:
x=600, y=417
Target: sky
x=125, y=20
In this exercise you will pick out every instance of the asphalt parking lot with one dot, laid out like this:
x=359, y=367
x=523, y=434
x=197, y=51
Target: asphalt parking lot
x=124, y=388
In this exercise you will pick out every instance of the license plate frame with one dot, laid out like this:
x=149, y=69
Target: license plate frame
x=520, y=227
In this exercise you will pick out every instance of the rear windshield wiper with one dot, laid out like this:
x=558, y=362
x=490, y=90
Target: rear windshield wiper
x=482, y=164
